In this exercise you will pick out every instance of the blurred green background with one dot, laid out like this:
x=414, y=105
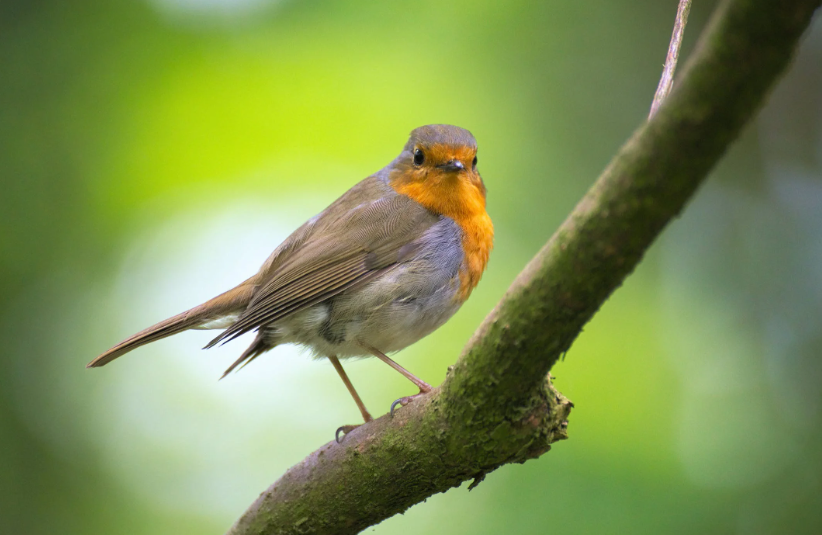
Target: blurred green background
x=152, y=154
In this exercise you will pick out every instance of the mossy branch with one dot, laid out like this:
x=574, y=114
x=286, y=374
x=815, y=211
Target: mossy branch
x=496, y=406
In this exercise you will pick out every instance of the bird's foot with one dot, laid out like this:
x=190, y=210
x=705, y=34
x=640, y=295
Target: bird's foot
x=345, y=429
x=405, y=401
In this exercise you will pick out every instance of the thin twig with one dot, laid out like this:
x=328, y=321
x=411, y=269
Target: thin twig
x=667, y=80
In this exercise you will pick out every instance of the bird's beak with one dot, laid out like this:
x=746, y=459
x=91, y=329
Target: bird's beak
x=453, y=165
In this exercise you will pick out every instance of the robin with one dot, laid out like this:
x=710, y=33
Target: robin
x=383, y=266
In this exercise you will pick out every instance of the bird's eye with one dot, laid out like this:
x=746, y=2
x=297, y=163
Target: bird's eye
x=474, y=163
x=419, y=157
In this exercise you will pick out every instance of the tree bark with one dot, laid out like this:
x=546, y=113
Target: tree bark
x=496, y=405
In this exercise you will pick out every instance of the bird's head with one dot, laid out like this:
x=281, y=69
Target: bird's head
x=438, y=168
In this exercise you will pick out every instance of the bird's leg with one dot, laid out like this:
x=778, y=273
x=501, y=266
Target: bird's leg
x=360, y=405
x=422, y=385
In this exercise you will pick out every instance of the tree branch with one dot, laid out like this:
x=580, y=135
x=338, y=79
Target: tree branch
x=496, y=406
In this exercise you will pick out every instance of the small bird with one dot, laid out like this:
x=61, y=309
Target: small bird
x=383, y=266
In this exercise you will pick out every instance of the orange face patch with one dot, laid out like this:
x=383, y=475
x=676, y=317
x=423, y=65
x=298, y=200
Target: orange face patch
x=446, y=153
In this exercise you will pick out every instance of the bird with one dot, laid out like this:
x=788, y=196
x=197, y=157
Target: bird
x=383, y=266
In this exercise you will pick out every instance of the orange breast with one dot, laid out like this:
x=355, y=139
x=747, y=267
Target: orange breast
x=476, y=243
x=463, y=201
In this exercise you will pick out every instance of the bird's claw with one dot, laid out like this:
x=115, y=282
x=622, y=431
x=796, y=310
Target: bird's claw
x=404, y=401
x=344, y=429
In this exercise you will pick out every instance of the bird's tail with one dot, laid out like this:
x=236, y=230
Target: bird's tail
x=231, y=302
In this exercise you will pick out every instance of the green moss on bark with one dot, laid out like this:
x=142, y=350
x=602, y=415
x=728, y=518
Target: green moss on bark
x=495, y=406
x=383, y=469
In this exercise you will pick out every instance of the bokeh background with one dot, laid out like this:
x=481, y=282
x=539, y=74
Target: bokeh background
x=153, y=152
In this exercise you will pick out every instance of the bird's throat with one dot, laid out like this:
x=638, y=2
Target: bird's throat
x=463, y=202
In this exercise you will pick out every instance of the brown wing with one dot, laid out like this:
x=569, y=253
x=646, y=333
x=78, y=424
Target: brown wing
x=350, y=248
